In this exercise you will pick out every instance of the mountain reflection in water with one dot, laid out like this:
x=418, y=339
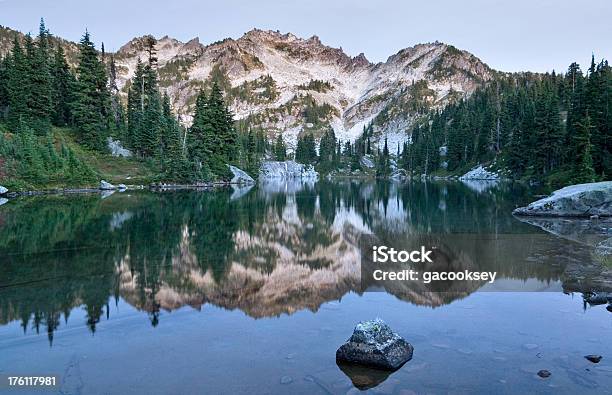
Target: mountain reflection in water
x=271, y=250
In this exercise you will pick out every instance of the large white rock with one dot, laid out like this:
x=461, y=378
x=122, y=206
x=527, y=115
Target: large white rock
x=116, y=149
x=287, y=170
x=241, y=177
x=479, y=173
x=3, y=201
x=3, y=190
x=107, y=186
x=582, y=200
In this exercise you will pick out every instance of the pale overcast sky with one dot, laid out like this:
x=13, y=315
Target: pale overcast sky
x=536, y=35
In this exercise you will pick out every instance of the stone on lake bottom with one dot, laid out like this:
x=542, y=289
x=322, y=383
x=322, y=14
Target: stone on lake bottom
x=593, y=358
x=374, y=344
x=544, y=373
x=286, y=380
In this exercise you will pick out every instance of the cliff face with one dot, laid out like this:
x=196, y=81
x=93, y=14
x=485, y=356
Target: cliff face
x=288, y=84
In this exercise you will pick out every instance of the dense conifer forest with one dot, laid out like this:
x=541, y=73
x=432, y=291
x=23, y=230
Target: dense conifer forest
x=554, y=128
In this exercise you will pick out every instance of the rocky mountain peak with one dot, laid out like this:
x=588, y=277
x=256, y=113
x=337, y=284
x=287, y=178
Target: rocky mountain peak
x=283, y=83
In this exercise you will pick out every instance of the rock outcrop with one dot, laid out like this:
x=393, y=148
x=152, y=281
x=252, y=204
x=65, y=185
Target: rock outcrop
x=241, y=177
x=287, y=170
x=116, y=149
x=582, y=200
x=106, y=186
x=479, y=173
x=3, y=190
x=374, y=344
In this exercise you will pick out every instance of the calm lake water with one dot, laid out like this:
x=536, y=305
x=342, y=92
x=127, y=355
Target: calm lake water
x=253, y=290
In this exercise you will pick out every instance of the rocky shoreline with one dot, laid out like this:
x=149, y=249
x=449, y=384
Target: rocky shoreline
x=240, y=178
x=592, y=200
x=155, y=187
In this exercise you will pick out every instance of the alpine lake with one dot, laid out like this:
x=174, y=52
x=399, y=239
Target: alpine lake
x=252, y=290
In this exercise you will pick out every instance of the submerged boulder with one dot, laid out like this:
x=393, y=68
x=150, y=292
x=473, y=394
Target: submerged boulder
x=374, y=344
x=582, y=200
x=240, y=176
x=3, y=190
x=107, y=186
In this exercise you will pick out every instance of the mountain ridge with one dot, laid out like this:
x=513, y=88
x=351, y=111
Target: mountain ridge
x=286, y=84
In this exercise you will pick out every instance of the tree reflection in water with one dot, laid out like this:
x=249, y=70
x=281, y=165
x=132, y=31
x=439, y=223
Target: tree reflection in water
x=273, y=250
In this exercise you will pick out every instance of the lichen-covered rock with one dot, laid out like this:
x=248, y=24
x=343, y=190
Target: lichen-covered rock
x=107, y=186
x=241, y=177
x=582, y=200
x=3, y=190
x=287, y=170
x=374, y=344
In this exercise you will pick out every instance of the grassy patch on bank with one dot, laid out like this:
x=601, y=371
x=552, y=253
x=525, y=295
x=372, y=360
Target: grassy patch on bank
x=57, y=160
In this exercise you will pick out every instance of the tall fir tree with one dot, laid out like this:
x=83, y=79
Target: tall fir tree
x=91, y=101
x=63, y=84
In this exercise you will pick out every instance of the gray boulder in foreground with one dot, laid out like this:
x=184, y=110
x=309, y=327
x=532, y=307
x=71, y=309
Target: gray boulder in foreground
x=374, y=344
x=240, y=177
x=582, y=200
x=107, y=186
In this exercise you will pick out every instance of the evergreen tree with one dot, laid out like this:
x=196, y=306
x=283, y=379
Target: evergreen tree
x=213, y=138
x=40, y=99
x=583, y=163
x=280, y=151
x=63, y=82
x=306, y=150
x=91, y=101
x=18, y=86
